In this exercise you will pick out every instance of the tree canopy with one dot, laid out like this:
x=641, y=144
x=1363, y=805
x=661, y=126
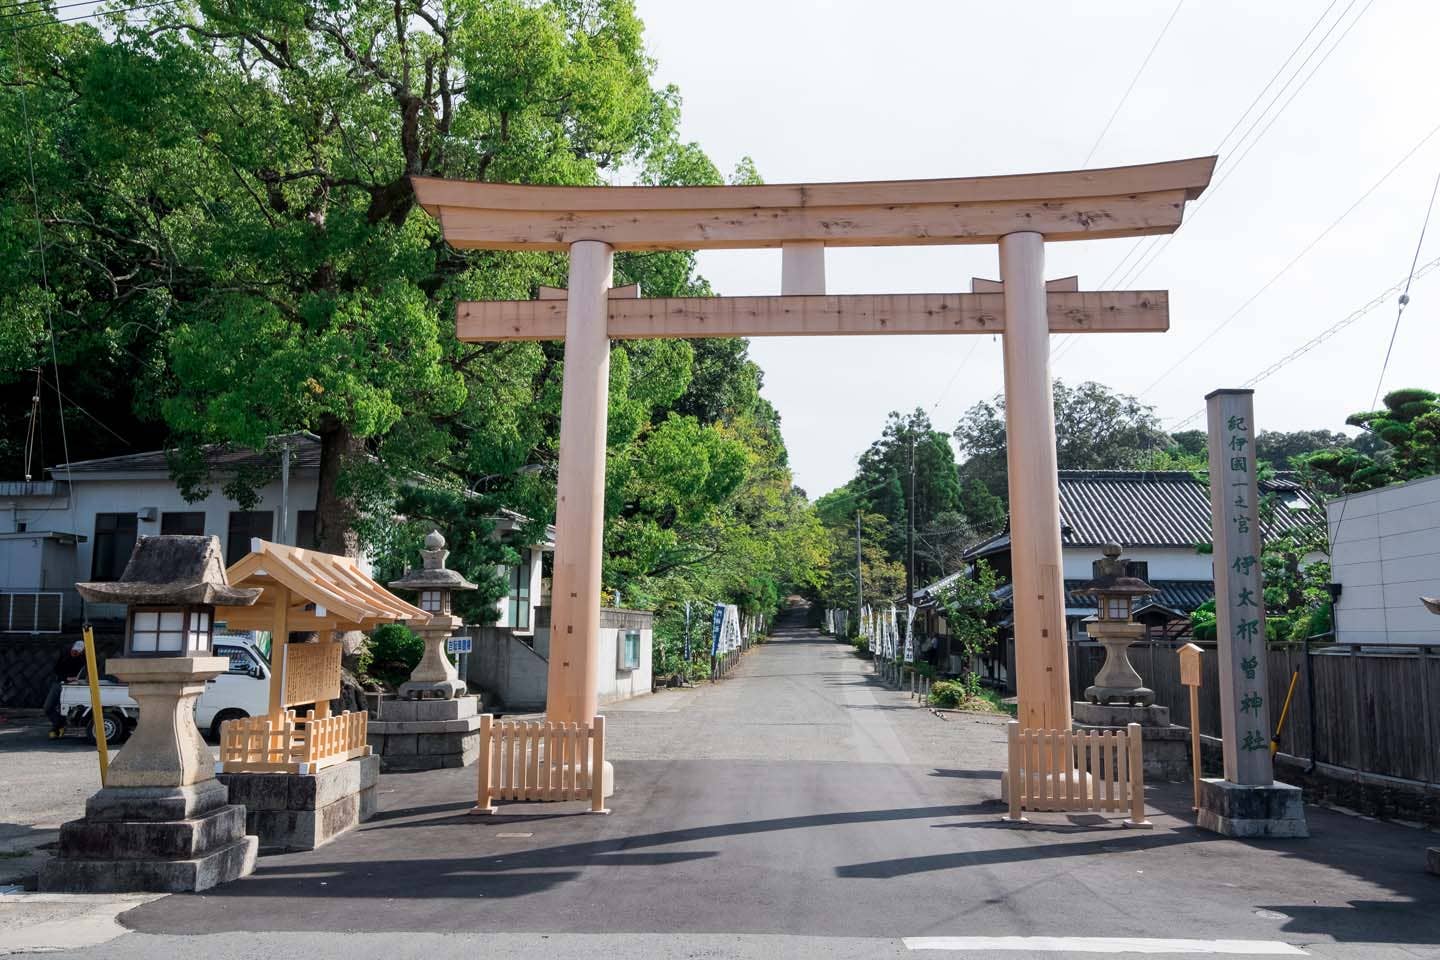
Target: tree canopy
x=229, y=250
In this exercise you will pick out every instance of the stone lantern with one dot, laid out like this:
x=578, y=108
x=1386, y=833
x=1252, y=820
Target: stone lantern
x=161, y=821
x=1115, y=589
x=433, y=724
x=1119, y=696
x=434, y=677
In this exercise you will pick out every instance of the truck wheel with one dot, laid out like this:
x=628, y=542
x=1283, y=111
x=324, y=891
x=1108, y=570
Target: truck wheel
x=116, y=729
x=221, y=717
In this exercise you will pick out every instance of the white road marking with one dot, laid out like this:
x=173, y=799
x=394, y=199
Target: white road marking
x=1145, y=945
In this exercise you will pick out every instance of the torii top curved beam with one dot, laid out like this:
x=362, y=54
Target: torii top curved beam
x=1074, y=205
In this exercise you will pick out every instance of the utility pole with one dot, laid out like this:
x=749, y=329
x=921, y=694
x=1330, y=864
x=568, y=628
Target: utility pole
x=859, y=578
x=910, y=527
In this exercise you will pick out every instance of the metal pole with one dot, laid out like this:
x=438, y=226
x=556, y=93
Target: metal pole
x=97, y=715
x=859, y=580
x=910, y=527
x=285, y=494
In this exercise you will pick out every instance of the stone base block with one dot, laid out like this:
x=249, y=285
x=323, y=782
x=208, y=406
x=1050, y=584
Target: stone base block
x=1119, y=715
x=221, y=865
x=156, y=803
x=410, y=745
x=432, y=689
x=126, y=843
x=1432, y=860
x=410, y=711
x=293, y=812
x=1231, y=810
x=1166, y=750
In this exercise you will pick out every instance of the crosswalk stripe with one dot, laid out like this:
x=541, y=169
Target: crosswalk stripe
x=1145, y=945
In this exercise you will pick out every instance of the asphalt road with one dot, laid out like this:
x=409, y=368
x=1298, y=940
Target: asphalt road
x=800, y=809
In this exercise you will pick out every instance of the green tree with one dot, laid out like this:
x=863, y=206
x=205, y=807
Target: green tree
x=1409, y=426
x=968, y=604
x=1281, y=447
x=1095, y=429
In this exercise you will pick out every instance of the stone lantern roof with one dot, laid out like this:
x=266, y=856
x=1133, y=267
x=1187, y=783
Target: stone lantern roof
x=1112, y=575
x=434, y=575
x=172, y=571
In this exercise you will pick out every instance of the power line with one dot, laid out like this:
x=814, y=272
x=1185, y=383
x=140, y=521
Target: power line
x=1065, y=340
x=1294, y=260
x=1149, y=258
x=87, y=16
x=1405, y=296
x=1150, y=243
x=1376, y=301
x=1133, y=80
x=23, y=7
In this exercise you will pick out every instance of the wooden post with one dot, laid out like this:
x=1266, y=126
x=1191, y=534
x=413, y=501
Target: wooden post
x=1239, y=591
x=1135, y=773
x=482, y=766
x=279, y=636
x=597, y=768
x=802, y=267
x=1190, y=675
x=1041, y=659
x=1013, y=782
x=572, y=689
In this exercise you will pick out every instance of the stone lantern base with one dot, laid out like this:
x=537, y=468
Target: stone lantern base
x=1166, y=745
x=426, y=734
x=152, y=840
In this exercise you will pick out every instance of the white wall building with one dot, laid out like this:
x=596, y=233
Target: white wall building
x=82, y=525
x=1385, y=555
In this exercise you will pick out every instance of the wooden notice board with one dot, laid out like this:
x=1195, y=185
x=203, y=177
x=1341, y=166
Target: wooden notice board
x=312, y=673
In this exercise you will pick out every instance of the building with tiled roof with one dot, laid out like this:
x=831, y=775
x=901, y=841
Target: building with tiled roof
x=1160, y=519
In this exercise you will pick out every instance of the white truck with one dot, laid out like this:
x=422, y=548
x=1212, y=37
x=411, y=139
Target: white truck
x=242, y=691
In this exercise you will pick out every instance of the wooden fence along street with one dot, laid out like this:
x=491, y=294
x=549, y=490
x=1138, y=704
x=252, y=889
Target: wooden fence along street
x=1095, y=771
x=540, y=760
x=1375, y=712
x=303, y=746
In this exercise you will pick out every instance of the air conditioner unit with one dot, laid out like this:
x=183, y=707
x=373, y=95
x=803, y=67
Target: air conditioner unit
x=148, y=514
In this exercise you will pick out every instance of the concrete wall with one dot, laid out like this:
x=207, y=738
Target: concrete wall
x=504, y=666
x=1385, y=554
x=617, y=684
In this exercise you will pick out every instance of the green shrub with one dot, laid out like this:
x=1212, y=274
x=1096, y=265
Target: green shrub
x=391, y=653
x=948, y=694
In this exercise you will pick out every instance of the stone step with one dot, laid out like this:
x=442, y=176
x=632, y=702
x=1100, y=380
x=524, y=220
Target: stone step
x=152, y=839
x=225, y=863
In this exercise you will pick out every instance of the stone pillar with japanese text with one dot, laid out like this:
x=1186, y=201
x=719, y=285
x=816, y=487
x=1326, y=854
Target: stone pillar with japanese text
x=1239, y=592
x=1247, y=802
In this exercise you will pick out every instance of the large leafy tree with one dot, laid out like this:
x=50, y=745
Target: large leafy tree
x=1095, y=429
x=234, y=176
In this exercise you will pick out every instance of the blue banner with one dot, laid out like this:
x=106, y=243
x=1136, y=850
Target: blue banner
x=716, y=621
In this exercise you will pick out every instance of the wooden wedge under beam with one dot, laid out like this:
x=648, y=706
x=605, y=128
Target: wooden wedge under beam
x=1070, y=205
x=1139, y=311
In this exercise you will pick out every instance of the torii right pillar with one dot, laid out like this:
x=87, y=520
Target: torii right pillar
x=1042, y=672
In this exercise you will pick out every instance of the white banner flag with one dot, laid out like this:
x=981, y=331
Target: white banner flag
x=909, y=633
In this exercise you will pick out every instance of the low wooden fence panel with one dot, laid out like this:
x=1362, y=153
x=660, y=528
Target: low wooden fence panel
x=1076, y=771
x=1374, y=711
x=540, y=761
x=292, y=745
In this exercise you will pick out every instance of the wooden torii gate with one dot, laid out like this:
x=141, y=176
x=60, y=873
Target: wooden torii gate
x=1020, y=213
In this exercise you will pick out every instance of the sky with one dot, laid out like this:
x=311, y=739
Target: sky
x=827, y=90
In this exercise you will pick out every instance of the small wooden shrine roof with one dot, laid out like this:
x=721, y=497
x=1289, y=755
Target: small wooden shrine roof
x=322, y=591
x=1069, y=205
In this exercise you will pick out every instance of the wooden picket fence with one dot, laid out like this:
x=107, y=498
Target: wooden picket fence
x=304, y=745
x=540, y=760
x=1095, y=771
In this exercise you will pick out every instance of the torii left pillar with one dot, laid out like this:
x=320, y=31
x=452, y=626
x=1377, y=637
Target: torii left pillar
x=573, y=684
